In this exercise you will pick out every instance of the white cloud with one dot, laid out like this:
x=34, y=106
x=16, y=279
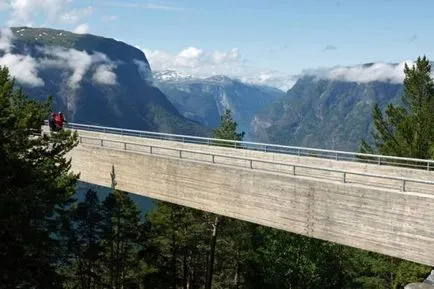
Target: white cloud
x=200, y=63
x=79, y=63
x=22, y=67
x=25, y=68
x=192, y=58
x=144, y=70
x=6, y=38
x=271, y=78
x=82, y=28
x=22, y=12
x=104, y=75
x=379, y=71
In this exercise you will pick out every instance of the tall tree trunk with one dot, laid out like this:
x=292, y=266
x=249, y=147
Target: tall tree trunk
x=118, y=265
x=185, y=270
x=237, y=271
x=391, y=275
x=210, y=270
x=174, y=251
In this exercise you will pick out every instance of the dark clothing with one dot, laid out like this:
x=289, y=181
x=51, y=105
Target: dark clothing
x=56, y=121
x=51, y=122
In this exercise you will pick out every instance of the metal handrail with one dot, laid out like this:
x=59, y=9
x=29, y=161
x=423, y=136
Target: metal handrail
x=294, y=150
x=251, y=161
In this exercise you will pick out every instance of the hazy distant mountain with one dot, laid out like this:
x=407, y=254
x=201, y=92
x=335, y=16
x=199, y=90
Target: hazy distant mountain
x=92, y=79
x=324, y=113
x=205, y=99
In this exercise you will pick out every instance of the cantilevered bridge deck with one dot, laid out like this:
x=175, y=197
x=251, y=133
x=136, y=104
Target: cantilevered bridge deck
x=378, y=203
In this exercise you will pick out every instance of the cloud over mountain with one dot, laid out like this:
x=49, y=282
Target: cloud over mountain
x=25, y=68
x=201, y=63
x=23, y=12
x=194, y=59
x=379, y=71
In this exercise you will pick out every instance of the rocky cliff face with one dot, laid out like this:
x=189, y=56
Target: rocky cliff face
x=92, y=79
x=324, y=113
x=205, y=100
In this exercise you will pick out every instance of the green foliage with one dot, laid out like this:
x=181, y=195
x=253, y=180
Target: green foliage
x=103, y=242
x=35, y=188
x=407, y=130
x=227, y=130
x=83, y=234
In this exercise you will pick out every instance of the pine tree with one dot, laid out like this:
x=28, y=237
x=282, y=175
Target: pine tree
x=178, y=249
x=407, y=130
x=228, y=131
x=121, y=227
x=35, y=188
x=83, y=231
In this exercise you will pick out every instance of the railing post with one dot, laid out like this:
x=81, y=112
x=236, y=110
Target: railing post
x=427, y=166
x=251, y=164
x=125, y=146
x=337, y=156
x=293, y=170
x=80, y=140
x=213, y=160
x=235, y=144
x=180, y=154
x=298, y=152
x=209, y=142
x=379, y=161
x=403, y=185
x=102, y=142
x=150, y=150
x=345, y=177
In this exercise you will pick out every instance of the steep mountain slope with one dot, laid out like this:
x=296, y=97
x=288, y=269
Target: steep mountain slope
x=205, y=99
x=324, y=113
x=92, y=79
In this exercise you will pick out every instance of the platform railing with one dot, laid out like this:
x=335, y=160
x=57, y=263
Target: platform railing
x=344, y=176
x=425, y=164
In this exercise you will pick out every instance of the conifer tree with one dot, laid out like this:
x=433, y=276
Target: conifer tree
x=407, y=130
x=83, y=231
x=228, y=131
x=35, y=188
x=121, y=227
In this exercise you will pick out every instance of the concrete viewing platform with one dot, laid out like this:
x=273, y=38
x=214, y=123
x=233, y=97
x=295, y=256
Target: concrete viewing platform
x=364, y=201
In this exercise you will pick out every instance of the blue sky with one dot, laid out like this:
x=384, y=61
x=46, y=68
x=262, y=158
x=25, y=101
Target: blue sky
x=276, y=37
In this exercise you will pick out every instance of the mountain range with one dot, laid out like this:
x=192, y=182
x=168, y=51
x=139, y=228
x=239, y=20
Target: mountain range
x=205, y=99
x=93, y=79
x=102, y=81
x=324, y=113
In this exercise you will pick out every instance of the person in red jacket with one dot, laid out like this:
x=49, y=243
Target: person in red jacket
x=59, y=120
